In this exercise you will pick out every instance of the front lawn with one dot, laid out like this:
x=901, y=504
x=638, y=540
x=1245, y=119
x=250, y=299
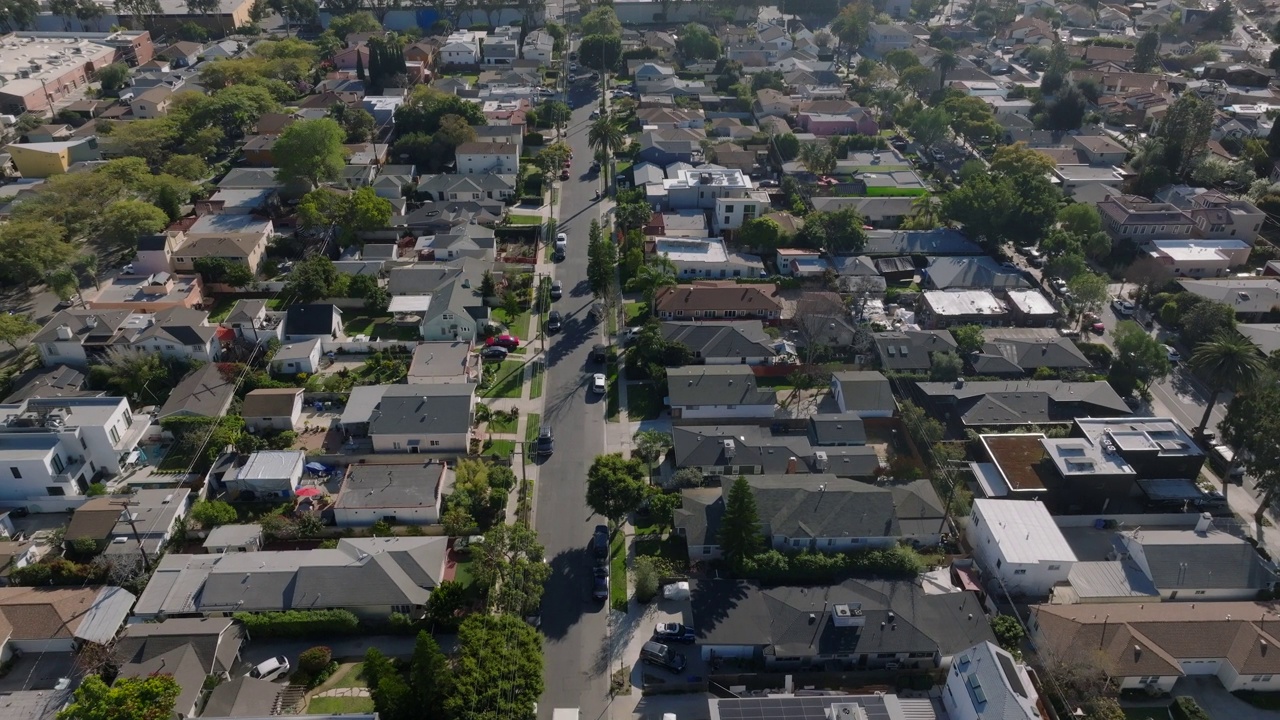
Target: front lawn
x=379, y=327
x=644, y=401
x=507, y=380
x=463, y=575
x=636, y=313
x=518, y=325
x=501, y=448
x=524, y=220
x=671, y=549
x=349, y=676
x=612, y=407
x=535, y=382
x=618, y=572
x=503, y=423
x=532, y=424
x=339, y=705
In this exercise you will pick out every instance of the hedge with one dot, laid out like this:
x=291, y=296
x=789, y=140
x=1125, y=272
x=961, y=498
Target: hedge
x=300, y=623
x=1185, y=708
x=774, y=567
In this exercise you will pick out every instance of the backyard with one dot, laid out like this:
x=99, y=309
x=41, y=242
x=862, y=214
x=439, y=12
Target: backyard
x=345, y=692
x=379, y=326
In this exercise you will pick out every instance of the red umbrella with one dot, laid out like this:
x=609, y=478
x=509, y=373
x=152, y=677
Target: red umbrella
x=308, y=491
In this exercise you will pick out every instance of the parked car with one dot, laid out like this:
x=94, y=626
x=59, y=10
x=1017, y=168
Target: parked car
x=600, y=582
x=557, y=290
x=1174, y=356
x=564, y=174
x=600, y=541
x=271, y=668
x=674, y=632
x=1122, y=307
x=546, y=442
x=554, y=321
x=595, y=114
x=598, y=384
x=655, y=653
x=510, y=342
x=494, y=352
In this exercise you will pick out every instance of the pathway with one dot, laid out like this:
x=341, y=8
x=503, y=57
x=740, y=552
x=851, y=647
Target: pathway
x=347, y=692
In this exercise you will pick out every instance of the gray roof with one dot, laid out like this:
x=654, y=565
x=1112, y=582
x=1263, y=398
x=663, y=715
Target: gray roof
x=837, y=429
x=823, y=506
x=867, y=390
x=909, y=349
x=296, y=351
x=1024, y=402
x=855, y=265
x=1212, y=560
x=42, y=382
x=716, y=385
x=703, y=446
x=983, y=272
x=216, y=641
x=250, y=178
x=994, y=687
x=184, y=665
x=736, y=339
x=204, y=393
x=430, y=410
x=919, y=242
x=91, y=326
x=439, y=360
x=360, y=572
x=245, y=311
x=183, y=326
x=1016, y=355
x=730, y=612
x=699, y=515
x=240, y=697
x=449, y=183
x=234, y=535
x=273, y=465
x=453, y=286
x=1092, y=581
x=408, y=485
x=311, y=319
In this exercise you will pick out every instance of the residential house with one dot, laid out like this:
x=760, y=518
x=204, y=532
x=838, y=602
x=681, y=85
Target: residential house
x=181, y=332
x=1197, y=564
x=538, y=45
x=1137, y=218
x=834, y=444
x=661, y=117
x=151, y=104
x=406, y=494
x=252, y=322
x=443, y=362
x=910, y=350
x=1030, y=308
x=370, y=577
x=815, y=513
x=478, y=187
x=948, y=273
x=801, y=263
x=216, y=642
x=1198, y=258
x=461, y=48
x=897, y=243
x=501, y=46
x=392, y=180
x=707, y=258
x=1101, y=150
x=418, y=418
x=665, y=148
x=79, y=336
x=728, y=194
x=182, y=54
x=866, y=393
x=865, y=624
x=56, y=381
x=61, y=620
x=828, y=124
x=121, y=524
x=268, y=409
x=234, y=538
x=771, y=103
x=265, y=473
x=1254, y=299
x=1019, y=547
x=718, y=300
x=1216, y=216
x=886, y=38
x=42, y=160
x=352, y=58
x=58, y=446
x=256, y=150
x=1019, y=356
x=949, y=308
x=455, y=311
x=1150, y=646
x=204, y=392
x=985, y=681
x=722, y=343
x=686, y=223
x=313, y=321
x=484, y=157
x=999, y=403
x=717, y=392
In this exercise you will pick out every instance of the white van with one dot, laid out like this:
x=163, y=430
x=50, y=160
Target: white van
x=561, y=246
x=270, y=669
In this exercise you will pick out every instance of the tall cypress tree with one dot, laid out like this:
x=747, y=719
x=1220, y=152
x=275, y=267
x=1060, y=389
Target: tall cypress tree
x=360, y=66
x=740, y=536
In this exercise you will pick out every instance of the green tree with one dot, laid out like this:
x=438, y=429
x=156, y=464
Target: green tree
x=510, y=564
x=740, y=534
x=314, y=278
x=1204, y=320
x=1184, y=131
x=1228, y=362
x=605, y=134
x=15, y=327
x=945, y=367
x=1008, y=631
x=1147, y=51
x=969, y=338
x=63, y=283
x=696, y=42
x=615, y=486
x=840, y=231
x=212, y=513
x=1080, y=219
x=657, y=273
x=601, y=20
x=651, y=446
x=357, y=22
x=428, y=674
x=310, y=150
x=498, y=672
x=127, y=220
x=1090, y=290
x=1251, y=427
x=918, y=79
x=930, y=126
x=601, y=52
x=222, y=271
x=602, y=262
x=113, y=78
x=142, y=698
x=762, y=234
x=187, y=167
x=817, y=158
x=1139, y=358
x=853, y=22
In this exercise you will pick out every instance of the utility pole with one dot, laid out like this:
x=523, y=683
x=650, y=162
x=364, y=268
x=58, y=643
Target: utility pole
x=128, y=517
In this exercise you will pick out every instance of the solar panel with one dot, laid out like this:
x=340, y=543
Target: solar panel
x=798, y=708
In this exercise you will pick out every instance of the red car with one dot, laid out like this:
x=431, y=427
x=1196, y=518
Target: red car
x=1098, y=328
x=568, y=164
x=564, y=174
x=510, y=342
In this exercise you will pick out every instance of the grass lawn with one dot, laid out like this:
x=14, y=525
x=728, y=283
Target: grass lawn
x=518, y=325
x=618, y=572
x=279, y=303
x=462, y=574
x=501, y=448
x=349, y=676
x=611, y=379
x=775, y=383
x=535, y=382
x=379, y=327
x=644, y=401
x=339, y=705
x=671, y=548
x=524, y=219
x=509, y=380
x=221, y=309
x=1146, y=713
x=636, y=313
x=175, y=461
x=503, y=424
x=624, y=166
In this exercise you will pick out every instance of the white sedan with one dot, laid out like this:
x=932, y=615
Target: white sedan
x=598, y=383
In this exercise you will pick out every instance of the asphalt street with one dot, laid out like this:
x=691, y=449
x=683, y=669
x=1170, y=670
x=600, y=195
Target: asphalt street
x=575, y=625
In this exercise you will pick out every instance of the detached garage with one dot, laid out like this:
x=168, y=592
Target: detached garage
x=406, y=493
x=36, y=620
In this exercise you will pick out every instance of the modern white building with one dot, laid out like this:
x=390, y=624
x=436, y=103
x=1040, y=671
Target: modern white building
x=461, y=48
x=728, y=193
x=987, y=683
x=1019, y=546
x=707, y=258
x=1199, y=258
x=476, y=158
x=57, y=447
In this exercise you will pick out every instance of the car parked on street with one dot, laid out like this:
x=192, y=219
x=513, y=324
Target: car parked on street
x=600, y=541
x=598, y=383
x=1122, y=307
x=557, y=290
x=600, y=582
x=510, y=342
x=555, y=321
x=546, y=442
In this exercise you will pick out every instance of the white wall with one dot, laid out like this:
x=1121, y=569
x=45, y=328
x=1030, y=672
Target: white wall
x=69, y=353
x=1035, y=579
x=363, y=517
x=41, y=646
x=1164, y=684
x=712, y=412
x=840, y=544
x=403, y=443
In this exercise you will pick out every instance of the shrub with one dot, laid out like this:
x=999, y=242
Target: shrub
x=774, y=567
x=646, y=579
x=314, y=660
x=382, y=527
x=96, y=489
x=1008, y=631
x=212, y=513
x=534, y=139
x=299, y=623
x=1185, y=708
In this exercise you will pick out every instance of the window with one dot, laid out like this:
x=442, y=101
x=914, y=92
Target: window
x=1199, y=592
x=728, y=209
x=1055, y=567
x=51, y=349
x=1261, y=678
x=115, y=436
x=128, y=418
x=706, y=550
x=1020, y=571
x=56, y=491
x=83, y=444
x=726, y=220
x=58, y=465
x=999, y=562
x=433, y=443
x=17, y=474
x=730, y=313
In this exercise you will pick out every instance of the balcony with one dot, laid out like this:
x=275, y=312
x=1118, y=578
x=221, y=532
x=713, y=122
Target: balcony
x=133, y=434
x=71, y=470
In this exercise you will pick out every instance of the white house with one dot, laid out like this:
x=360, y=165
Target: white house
x=1199, y=258
x=407, y=493
x=55, y=447
x=475, y=158
x=987, y=683
x=884, y=38
x=707, y=258
x=718, y=392
x=299, y=357
x=461, y=48
x=539, y=45
x=269, y=473
x=1017, y=543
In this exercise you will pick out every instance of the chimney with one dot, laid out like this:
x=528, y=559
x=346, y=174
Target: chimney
x=64, y=332
x=960, y=382
x=1204, y=524
x=91, y=321
x=791, y=465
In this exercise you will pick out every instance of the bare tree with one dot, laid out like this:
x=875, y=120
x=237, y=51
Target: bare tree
x=818, y=321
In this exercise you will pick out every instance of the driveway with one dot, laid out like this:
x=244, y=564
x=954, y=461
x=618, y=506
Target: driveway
x=1217, y=702
x=352, y=648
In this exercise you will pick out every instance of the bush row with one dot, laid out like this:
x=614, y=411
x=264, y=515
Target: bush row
x=299, y=623
x=806, y=567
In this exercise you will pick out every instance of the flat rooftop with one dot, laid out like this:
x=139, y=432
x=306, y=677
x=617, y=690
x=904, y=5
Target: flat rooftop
x=138, y=289
x=1024, y=530
x=46, y=57
x=1193, y=250
x=708, y=250
x=1017, y=457
x=964, y=302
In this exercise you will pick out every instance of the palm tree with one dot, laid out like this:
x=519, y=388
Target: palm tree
x=926, y=214
x=1230, y=361
x=606, y=136
x=947, y=62
x=651, y=446
x=658, y=273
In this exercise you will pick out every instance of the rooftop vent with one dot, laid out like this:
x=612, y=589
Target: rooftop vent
x=848, y=615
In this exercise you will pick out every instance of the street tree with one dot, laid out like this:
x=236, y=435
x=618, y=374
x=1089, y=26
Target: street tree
x=930, y=126
x=510, y=564
x=605, y=134
x=127, y=220
x=602, y=263
x=142, y=698
x=601, y=52
x=1090, y=290
x=310, y=150
x=601, y=20
x=429, y=674
x=1080, y=219
x=1251, y=426
x=740, y=534
x=1230, y=362
x=651, y=446
x=15, y=327
x=1139, y=359
x=498, y=671
x=615, y=486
